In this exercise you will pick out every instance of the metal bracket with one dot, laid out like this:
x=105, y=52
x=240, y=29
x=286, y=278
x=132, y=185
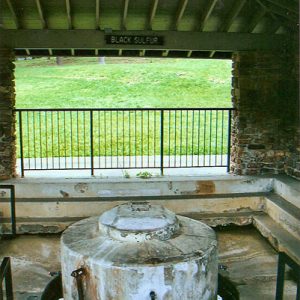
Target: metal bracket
x=77, y=274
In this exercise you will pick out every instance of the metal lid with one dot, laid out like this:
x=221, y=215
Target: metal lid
x=139, y=221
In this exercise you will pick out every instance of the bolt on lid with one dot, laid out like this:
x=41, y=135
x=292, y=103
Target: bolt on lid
x=139, y=221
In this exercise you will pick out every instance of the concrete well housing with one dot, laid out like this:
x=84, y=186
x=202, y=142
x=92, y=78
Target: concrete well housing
x=261, y=193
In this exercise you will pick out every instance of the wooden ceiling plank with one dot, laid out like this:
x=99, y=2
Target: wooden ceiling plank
x=13, y=13
x=239, y=4
x=125, y=13
x=180, y=11
x=41, y=14
x=285, y=5
x=256, y=19
x=152, y=13
x=206, y=14
x=97, y=14
x=69, y=15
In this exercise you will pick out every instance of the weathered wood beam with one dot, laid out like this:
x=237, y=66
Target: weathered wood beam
x=69, y=15
x=212, y=53
x=206, y=13
x=285, y=5
x=41, y=14
x=173, y=40
x=125, y=12
x=256, y=19
x=189, y=54
x=165, y=53
x=152, y=13
x=274, y=17
x=13, y=13
x=285, y=14
x=239, y=4
x=97, y=14
x=180, y=11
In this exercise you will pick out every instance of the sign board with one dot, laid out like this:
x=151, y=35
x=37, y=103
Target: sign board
x=148, y=40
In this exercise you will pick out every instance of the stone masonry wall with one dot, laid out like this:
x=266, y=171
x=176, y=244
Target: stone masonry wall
x=265, y=94
x=7, y=116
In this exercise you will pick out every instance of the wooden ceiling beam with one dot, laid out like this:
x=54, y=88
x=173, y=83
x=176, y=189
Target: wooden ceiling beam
x=256, y=19
x=152, y=13
x=180, y=11
x=285, y=5
x=285, y=14
x=97, y=14
x=212, y=53
x=189, y=54
x=13, y=13
x=275, y=17
x=125, y=13
x=41, y=14
x=238, y=6
x=69, y=14
x=173, y=40
x=206, y=13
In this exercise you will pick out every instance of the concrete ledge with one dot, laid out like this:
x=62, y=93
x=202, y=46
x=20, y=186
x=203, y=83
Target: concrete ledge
x=133, y=187
x=279, y=238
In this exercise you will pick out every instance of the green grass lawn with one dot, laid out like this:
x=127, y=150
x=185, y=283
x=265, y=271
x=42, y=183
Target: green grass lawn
x=121, y=82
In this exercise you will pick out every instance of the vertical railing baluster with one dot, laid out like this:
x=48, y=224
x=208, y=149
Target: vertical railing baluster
x=162, y=142
x=41, y=148
x=92, y=142
x=222, y=138
x=186, y=137
x=58, y=139
x=229, y=141
x=21, y=143
x=216, y=140
x=193, y=116
x=46, y=136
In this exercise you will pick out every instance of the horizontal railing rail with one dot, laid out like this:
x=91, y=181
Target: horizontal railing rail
x=125, y=138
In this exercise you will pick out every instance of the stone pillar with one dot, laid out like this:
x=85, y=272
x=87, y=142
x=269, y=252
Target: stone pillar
x=7, y=116
x=265, y=96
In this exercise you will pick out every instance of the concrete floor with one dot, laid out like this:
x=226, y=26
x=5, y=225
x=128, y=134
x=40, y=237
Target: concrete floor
x=251, y=263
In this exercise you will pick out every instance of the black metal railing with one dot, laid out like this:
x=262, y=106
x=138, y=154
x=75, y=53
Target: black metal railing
x=284, y=259
x=5, y=275
x=64, y=139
